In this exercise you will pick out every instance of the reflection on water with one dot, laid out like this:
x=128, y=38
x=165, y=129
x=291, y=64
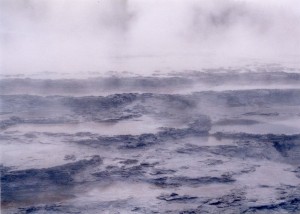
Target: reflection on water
x=40, y=155
x=58, y=196
x=268, y=174
x=203, y=141
x=119, y=191
x=133, y=127
x=290, y=126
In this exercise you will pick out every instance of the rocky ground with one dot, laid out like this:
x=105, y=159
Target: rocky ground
x=199, y=142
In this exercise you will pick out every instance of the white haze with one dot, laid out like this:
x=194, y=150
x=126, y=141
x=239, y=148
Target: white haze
x=145, y=35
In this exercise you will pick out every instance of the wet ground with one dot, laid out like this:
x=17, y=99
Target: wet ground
x=206, y=142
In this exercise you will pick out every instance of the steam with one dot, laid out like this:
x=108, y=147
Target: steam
x=102, y=35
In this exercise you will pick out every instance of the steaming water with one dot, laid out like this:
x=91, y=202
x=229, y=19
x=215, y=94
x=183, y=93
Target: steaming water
x=142, y=36
x=66, y=39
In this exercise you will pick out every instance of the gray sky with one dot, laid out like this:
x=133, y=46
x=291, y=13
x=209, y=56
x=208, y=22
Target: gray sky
x=145, y=35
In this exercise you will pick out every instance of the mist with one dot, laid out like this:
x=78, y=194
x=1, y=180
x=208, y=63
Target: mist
x=149, y=106
x=145, y=35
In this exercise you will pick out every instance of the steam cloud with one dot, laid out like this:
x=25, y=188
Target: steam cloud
x=81, y=35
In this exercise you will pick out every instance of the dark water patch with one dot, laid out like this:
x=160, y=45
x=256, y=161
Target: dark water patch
x=174, y=197
x=25, y=185
x=258, y=137
x=199, y=127
x=270, y=114
x=188, y=181
x=228, y=122
x=291, y=205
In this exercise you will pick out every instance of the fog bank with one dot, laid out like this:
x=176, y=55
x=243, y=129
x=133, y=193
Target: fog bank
x=145, y=35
